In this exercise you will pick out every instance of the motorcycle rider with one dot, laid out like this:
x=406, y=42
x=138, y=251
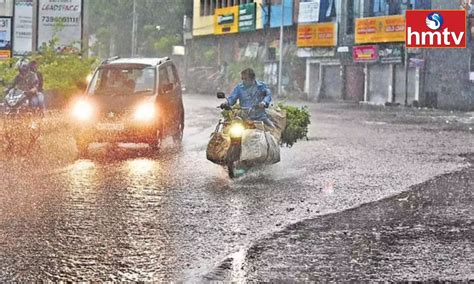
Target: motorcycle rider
x=38, y=100
x=26, y=81
x=251, y=94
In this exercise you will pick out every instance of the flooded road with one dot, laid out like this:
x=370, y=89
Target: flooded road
x=422, y=235
x=131, y=214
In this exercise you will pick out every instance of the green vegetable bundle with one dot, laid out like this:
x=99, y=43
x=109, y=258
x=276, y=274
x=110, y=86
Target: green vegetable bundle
x=298, y=120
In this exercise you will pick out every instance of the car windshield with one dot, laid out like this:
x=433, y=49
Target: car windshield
x=123, y=80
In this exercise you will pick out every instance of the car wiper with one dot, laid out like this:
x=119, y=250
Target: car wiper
x=143, y=91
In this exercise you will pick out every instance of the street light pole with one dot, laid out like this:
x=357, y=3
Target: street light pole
x=34, y=38
x=280, y=67
x=134, y=29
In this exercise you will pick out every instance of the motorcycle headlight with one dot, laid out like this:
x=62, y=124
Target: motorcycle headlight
x=236, y=130
x=145, y=112
x=82, y=110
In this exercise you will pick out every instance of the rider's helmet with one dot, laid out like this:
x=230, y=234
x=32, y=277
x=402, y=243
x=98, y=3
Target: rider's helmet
x=23, y=65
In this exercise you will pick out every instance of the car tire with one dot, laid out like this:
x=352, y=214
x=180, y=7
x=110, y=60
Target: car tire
x=157, y=142
x=178, y=137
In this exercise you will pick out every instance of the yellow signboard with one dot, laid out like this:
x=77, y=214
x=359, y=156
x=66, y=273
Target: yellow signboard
x=5, y=54
x=313, y=35
x=380, y=29
x=226, y=20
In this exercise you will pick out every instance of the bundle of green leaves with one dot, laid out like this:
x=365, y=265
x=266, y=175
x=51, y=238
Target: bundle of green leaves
x=298, y=120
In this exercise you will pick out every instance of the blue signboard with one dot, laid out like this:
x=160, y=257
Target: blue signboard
x=275, y=18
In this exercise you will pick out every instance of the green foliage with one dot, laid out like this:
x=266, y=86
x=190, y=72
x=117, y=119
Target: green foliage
x=298, y=120
x=64, y=74
x=164, y=45
x=115, y=16
x=7, y=71
x=210, y=55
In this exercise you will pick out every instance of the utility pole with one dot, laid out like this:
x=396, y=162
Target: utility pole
x=280, y=67
x=34, y=32
x=407, y=62
x=266, y=26
x=85, y=29
x=134, y=29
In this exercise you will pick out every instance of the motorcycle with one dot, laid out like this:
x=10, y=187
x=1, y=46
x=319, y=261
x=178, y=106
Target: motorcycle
x=239, y=143
x=21, y=123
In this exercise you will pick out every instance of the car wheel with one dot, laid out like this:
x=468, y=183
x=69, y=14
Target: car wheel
x=178, y=137
x=158, y=140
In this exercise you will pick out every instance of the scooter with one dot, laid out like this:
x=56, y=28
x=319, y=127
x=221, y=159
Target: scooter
x=235, y=125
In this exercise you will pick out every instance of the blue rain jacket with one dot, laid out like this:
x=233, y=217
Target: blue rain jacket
x=250, y=97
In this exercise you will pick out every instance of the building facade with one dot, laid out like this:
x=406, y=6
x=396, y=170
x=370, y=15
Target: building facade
x=345, y=49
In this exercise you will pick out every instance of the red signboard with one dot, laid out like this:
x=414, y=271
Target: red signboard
x=436, y=28
x=366, y=53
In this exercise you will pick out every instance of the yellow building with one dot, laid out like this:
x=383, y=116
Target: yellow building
x=204, y=10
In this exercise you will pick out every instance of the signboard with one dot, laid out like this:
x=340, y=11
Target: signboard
x=342, y=49
x=23, y=27
x=367, y=53
x=391, y=54
x=226, y=20
x=314, y=35
x=247, y=17
x=315, y=52
x=61, y=19
x=5, y=37
x=436, y=28
x=380, y=29
x=309, y=12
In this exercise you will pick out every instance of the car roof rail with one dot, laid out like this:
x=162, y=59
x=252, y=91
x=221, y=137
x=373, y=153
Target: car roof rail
x=110, y=59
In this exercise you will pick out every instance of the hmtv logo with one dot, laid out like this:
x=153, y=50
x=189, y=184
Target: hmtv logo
x=436, y=29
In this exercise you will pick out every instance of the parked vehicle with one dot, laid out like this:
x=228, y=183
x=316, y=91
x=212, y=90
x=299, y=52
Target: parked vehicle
x=136, y=100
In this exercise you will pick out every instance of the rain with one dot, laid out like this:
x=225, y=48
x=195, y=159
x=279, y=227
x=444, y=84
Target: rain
x=110, y=179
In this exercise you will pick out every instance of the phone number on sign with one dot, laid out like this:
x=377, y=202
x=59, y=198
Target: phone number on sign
x=60, y=19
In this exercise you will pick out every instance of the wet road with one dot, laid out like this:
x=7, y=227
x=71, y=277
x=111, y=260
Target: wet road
x=425, y=234
x=128, y=214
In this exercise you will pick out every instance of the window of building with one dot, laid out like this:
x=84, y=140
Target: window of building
x=327, y=11
x=208, y=6
x=385, y=7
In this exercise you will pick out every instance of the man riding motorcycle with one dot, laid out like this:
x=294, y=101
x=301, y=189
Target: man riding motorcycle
x=27, y=81
x=253, y=95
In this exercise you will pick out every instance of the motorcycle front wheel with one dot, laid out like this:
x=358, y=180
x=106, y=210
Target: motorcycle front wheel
x=231, y=169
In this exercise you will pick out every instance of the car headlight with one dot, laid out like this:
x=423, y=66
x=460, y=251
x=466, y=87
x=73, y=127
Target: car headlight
x=145, y=112
x=236, y=130
x=82, y=110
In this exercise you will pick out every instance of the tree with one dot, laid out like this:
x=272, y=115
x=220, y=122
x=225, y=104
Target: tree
x=111, y=24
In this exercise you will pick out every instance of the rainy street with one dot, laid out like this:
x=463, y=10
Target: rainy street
x=374, y=194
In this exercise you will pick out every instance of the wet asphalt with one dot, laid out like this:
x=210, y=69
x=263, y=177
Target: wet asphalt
x=130, y=214
x=425, y=234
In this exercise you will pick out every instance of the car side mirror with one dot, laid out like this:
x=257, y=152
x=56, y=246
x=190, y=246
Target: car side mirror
x=220, y=95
